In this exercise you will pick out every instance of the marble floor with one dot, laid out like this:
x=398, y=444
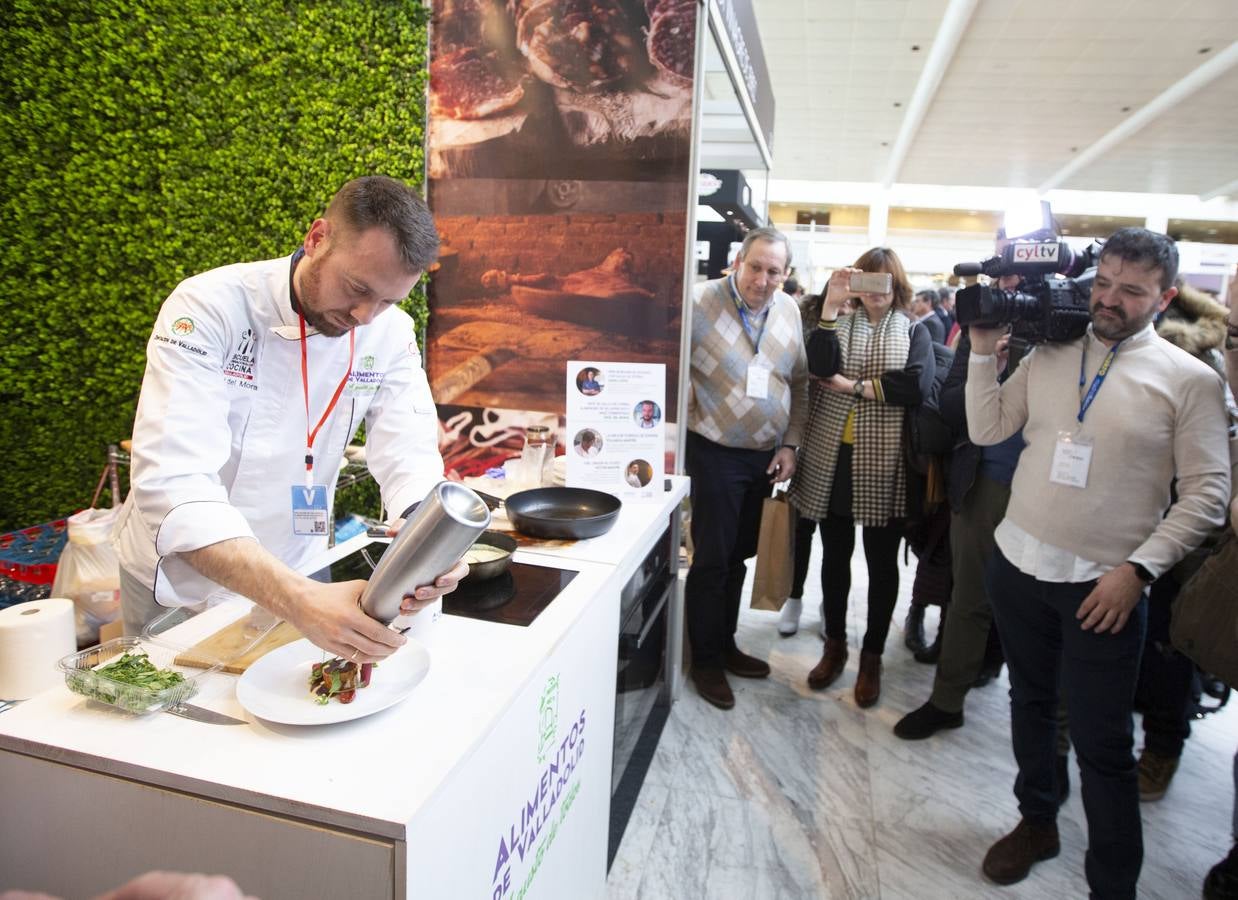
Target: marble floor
x=800, y=794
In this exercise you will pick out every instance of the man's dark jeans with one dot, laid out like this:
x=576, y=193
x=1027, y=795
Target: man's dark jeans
x=728, y=486
x=1040, y=634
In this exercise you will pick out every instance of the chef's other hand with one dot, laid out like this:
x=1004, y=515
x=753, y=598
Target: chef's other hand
x=428, y=593
x=177, y=886
x=330, y=615
x=782, y=466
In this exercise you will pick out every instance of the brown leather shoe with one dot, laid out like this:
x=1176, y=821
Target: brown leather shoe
x=712, y=685
x=1011, y=858
x=868, y=681
x=739, y=663
x=833, y=661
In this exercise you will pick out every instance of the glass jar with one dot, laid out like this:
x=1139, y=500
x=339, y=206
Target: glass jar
x=538, y=454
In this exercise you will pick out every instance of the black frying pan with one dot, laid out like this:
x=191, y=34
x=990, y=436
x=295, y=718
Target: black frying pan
x=560, y=512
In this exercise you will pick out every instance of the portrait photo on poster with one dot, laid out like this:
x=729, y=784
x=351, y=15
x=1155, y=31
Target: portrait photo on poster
x=638, y=473
x=647, y=414
x=587, y=443
x=589, y=381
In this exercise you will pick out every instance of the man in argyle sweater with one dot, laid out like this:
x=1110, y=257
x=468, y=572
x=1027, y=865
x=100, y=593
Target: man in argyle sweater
x=746, y=408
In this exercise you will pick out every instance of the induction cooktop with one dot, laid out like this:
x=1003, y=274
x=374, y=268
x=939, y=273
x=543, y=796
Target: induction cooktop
x=517, y=597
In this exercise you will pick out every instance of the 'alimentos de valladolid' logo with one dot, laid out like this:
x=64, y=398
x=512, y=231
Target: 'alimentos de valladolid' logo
x=534, y=827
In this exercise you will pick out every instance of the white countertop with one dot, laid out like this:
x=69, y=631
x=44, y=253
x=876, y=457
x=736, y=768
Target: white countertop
x=371, y=774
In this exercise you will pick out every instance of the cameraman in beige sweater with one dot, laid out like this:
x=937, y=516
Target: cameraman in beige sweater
x=1110, y=421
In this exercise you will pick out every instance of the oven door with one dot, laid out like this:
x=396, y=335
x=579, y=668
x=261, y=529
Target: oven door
x=641, y=681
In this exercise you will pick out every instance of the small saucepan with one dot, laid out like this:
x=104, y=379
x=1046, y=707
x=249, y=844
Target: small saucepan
x=490, y=555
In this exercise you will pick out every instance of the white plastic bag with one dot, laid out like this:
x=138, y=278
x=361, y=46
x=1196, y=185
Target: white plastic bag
x=88, y=572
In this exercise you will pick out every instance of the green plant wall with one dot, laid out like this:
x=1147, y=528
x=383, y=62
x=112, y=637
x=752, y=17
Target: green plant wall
x=144, y=142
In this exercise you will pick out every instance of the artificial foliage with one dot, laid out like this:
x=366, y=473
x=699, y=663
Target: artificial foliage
x=144, y=142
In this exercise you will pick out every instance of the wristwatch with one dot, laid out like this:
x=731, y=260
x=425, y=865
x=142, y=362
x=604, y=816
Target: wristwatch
x=1144, y=575
x=1231, y=336
x=858, y=389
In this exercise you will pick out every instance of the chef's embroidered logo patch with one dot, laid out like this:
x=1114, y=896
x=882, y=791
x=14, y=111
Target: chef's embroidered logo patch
x=363, y=379
x=183, y=326
x=244, y=358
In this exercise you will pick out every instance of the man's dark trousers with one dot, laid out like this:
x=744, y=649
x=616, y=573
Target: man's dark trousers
x=1039, y=633
x=728, y=486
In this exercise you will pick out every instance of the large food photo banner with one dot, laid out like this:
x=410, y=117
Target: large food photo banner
x=559, y=156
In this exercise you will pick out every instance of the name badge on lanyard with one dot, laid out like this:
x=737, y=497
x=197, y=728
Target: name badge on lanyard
x=758, y=380
x=309, y=510
x=1072, y=454
x=309, y=500
x=1072, y=457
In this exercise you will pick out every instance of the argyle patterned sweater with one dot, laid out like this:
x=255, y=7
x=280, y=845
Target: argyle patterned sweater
x=718, y=406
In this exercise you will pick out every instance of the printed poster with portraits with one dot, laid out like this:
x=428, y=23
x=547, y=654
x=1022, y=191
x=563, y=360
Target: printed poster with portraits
x=615, y=427
x=559, y=173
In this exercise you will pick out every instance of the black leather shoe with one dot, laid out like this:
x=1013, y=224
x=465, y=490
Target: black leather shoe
x=711, y=684
x=913, y=629
x=925, y=722
x=1062, y=771
x=739, y=663
x=1011, y=858
x=1222, y=880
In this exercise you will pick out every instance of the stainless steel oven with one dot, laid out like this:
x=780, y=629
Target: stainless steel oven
x=642, y=689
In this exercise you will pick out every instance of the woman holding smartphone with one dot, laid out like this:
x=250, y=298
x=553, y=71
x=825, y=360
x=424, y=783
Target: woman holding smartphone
x=872, y=364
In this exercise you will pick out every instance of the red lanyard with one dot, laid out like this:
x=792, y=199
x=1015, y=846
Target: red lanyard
x=310, y=435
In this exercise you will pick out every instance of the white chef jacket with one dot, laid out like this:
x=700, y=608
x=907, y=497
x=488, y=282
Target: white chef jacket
x=219, y=439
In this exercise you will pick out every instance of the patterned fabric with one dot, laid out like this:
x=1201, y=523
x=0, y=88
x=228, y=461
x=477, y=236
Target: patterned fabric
x=878, y=475
x=718, y=406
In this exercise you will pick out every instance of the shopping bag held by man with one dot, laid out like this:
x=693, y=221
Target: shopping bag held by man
x=771, y=583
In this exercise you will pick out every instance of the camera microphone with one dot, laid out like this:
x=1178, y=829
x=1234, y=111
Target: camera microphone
x=968, y=269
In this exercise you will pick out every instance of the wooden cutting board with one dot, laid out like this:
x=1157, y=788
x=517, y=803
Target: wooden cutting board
x=228, y=642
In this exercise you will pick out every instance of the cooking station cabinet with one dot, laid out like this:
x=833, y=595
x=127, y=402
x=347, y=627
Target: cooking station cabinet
x=491, y=780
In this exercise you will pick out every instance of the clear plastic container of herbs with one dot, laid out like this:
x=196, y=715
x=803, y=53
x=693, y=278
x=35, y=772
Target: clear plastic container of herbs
x=136, y=674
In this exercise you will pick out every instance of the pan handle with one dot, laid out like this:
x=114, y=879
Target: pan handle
x=492, y=502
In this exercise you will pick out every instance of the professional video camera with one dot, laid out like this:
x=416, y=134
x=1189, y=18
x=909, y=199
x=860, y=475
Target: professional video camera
x=1043, y=307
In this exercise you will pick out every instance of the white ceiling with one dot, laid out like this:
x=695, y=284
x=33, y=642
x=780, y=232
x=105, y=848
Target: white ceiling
x=1016, y=92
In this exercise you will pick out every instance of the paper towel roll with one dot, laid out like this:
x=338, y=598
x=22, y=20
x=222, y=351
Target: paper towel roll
x=33, y=637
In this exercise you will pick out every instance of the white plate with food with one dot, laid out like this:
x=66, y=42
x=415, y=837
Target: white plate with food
x=277, y=687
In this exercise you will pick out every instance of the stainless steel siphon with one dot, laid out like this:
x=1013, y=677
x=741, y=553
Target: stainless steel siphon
x=433, y=538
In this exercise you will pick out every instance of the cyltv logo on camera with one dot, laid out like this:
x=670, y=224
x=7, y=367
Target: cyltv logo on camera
x=1039, y=252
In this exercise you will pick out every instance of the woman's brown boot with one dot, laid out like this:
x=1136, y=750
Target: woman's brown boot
x=868, y=682
x=833, y=661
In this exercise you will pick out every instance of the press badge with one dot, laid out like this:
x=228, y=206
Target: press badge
x=1072, y=457
x=309, y=510
x=758, y=381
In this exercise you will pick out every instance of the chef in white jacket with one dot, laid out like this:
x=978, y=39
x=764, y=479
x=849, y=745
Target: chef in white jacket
x=257, y=376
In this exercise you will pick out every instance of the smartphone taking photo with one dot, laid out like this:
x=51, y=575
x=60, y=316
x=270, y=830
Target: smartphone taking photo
x=872, y=282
